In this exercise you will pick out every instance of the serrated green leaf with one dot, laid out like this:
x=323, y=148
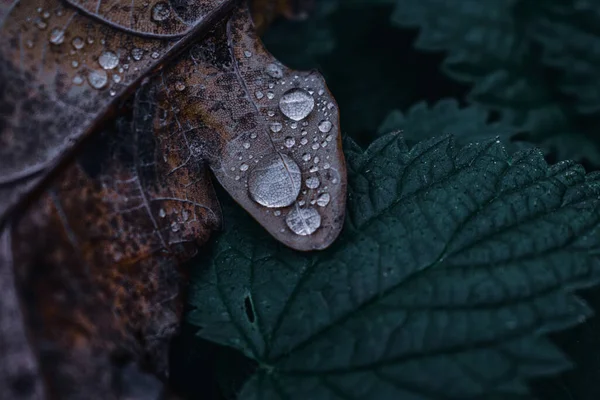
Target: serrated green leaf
x=467, y=124
x=453, y=264
x=492, y=45
x=570, y=41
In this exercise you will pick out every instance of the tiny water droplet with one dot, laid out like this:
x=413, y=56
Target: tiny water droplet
x=74, y=64
x=97, y=78
x=185, y=215
x=313, y=182
x=303, y=221
x=46, y=15
x=289, y=142
x=108, y=60
x=277, y=213
x=270, y=95
x=259, y=95
x=90, y=40
x=296, y=104
x=313, y=169
x=77, y=80
x=116, y=78
x=315, y=146
x=303, y=141
x=248, y=54
x=174, y=226
x=155, y=55
x=274, y=71
x=330, y=105
x=179, y=86
x=321, y=92
x=160, y=11
x=162, y=213
x=270, y=113
x=246, y=145
x=137, y=54
x=275, y=181
x=57, y=36
x=323, y=199
x=276, y=127
x=244, y=167
x=29, y=44
x=306, y=157
x=77, y=43
x=253, y=135
x=325, y=126
x=294, y=125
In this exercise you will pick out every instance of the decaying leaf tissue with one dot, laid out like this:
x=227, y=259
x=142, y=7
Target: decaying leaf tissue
x=112, y=115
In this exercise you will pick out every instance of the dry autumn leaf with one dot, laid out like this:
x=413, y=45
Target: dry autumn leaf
x=91, y=290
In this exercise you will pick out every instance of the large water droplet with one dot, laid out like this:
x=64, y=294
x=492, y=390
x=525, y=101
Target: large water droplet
x=296, y=104
x=97, y=78
x=325, y=126
x=275, y=181
x=57, y=36
x=161, y=11
x=303, y=221
x=108, y=60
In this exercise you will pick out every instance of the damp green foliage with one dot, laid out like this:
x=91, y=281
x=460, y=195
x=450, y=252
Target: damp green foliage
x=467, y=124
x=454, y=264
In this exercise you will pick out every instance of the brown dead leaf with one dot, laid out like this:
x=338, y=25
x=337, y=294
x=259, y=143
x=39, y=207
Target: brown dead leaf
x=90, y=269
x=98, y=258
x=225, y=100
x=63, y=68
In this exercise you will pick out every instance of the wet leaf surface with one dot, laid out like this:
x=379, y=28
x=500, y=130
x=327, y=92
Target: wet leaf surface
x=65, y=68
x=90, y=264
x=270, y=134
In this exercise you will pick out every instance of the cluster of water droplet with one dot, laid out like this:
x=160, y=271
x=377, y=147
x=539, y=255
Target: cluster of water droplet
x=97, y=69
x=300, y=135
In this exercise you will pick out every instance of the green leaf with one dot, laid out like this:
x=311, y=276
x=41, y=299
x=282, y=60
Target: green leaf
x=453, y=265
x=467, y=124
x=570, y=40
x=493, y=46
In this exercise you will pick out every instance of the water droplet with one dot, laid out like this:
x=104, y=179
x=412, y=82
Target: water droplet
x=29, y=44
x=57, y=36
x=253, y=135
x=313, y=169
x=259, y=95
x=185, y=215
x=303, y=141
x=46, y=15
x=274, y=71
x=90, y=40
x=174, y=226
x=74, y=64
x=270, y=113
x=160, y=11
x=137, y=54
x=77, y=43
x=330, y=105
x=77, y=80
x=303, y=221
x=277, y=213
x=325, y=126
x=315, y=146
x=244, y=167
x=276, y=127
x=313, y=182
x=321, y=92
x=116, y=78
x=113, y=92
x=275, y=181
x=97, y=79
x=248, y=54
x=306, y=157
x=162, y=213
x=179, y=86
x=323, y=199
x=155, y=55
x=108, y=60
x=296, y=104
x=246, y=145
x=289, y=142
x=270, y=95
x=294, y=125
